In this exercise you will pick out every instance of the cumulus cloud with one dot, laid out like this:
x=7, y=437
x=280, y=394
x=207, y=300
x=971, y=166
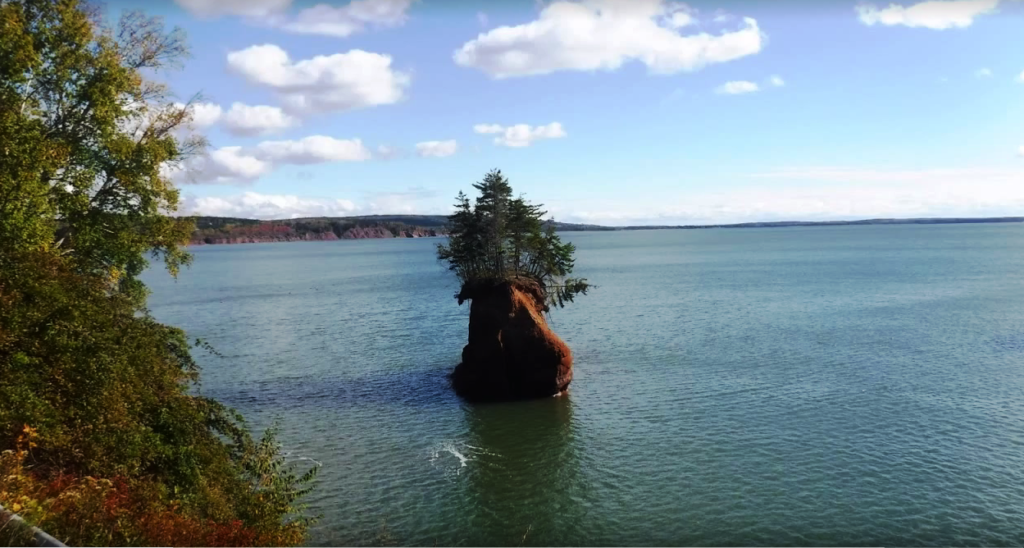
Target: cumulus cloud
x=253, y=205
x=224, y=166
x=603, y=35
x=488, y=128
x=243, y=8
x=415, y=200
x=322, y=19
x=348, y=19
x=933, y=14
x=862, y=175
x=813, y=193
x=1020, y=77
x=521, y=135
x=243, y=165
x=314, y=149
x=737, y=87
x=246, y=120
x=681, y=19
x=204, y=115
x=776, y=81
x=1020, y=151
x=325, y=83
x=436, y=149
x=241, y=119
x=818, y=194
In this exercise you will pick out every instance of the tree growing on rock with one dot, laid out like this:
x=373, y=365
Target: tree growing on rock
x=513, y=267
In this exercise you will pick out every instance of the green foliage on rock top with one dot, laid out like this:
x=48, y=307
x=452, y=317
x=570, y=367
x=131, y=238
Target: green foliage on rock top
x=85, y=144
x=499, y=238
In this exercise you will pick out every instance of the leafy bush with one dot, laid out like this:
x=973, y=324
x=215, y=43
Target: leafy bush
x=115, y=512
x=110, y=394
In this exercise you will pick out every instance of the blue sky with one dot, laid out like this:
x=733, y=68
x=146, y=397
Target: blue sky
x=393, y=106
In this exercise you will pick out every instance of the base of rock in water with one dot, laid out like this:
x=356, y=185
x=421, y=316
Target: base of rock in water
x=512, y=354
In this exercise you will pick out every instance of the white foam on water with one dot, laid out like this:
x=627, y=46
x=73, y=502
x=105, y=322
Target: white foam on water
x=462, y=458
x=462, y=452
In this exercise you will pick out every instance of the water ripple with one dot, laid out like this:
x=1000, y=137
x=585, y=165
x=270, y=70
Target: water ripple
x=835, y=386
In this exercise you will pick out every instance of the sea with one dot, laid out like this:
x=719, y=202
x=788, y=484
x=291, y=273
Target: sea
x=846, y=385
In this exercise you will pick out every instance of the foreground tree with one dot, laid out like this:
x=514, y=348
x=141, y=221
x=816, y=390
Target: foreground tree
x=513, y=269
x=103, y=439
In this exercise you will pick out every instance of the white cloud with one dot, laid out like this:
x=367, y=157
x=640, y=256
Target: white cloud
x=680, y=16
x=244, y=165
x=339, y=82
x=521, y=135
x=416, y=200
x=603, y=35
x=722, y=17
x=776, y=81
x=204, y=115
x=253, y=205
x=1020, y=77
x=324, y=19
x=436, y=149
x=488, y=128
x=348, y=19
x=737, y=87
x=314, y=149
x=983, y=73
x=933, y=14
x=800, y=193
x=225, y=165
x=241, y=119
x=818, y=194
x=244, y=8
x=246, y=120
x=385, y=152
x=861, y=175
x=1020, y=150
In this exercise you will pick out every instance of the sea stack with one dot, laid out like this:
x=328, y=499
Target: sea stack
x=513, y=267
x=512, y=354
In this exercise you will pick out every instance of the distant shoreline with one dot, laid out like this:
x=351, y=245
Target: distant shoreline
x=781, y=224
x=228, y=230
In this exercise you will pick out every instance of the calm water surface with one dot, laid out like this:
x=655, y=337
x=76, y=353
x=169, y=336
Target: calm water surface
x=792, y=386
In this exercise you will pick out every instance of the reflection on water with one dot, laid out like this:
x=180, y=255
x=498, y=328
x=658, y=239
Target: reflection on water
x=524, y=487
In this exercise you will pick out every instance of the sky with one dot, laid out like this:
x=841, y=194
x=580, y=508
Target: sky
x=612, y=112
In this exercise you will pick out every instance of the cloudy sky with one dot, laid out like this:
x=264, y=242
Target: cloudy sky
x=607, y=111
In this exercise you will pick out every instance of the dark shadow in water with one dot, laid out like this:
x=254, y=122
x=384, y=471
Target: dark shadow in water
x=526, y=489
x=420, y=388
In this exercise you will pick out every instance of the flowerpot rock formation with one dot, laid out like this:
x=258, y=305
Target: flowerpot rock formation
x=512, y=354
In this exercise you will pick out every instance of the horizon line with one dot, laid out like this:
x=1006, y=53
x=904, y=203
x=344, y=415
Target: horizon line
x=933, y=220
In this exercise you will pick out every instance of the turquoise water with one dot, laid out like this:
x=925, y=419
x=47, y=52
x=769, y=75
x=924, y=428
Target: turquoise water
x=855, y=385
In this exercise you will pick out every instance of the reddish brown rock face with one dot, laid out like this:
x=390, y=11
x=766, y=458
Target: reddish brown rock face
x=512, y=354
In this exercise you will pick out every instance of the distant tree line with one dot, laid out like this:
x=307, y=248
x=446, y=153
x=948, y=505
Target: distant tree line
x=216, y=229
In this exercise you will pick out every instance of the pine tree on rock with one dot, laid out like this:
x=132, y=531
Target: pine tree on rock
x=513, y=268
